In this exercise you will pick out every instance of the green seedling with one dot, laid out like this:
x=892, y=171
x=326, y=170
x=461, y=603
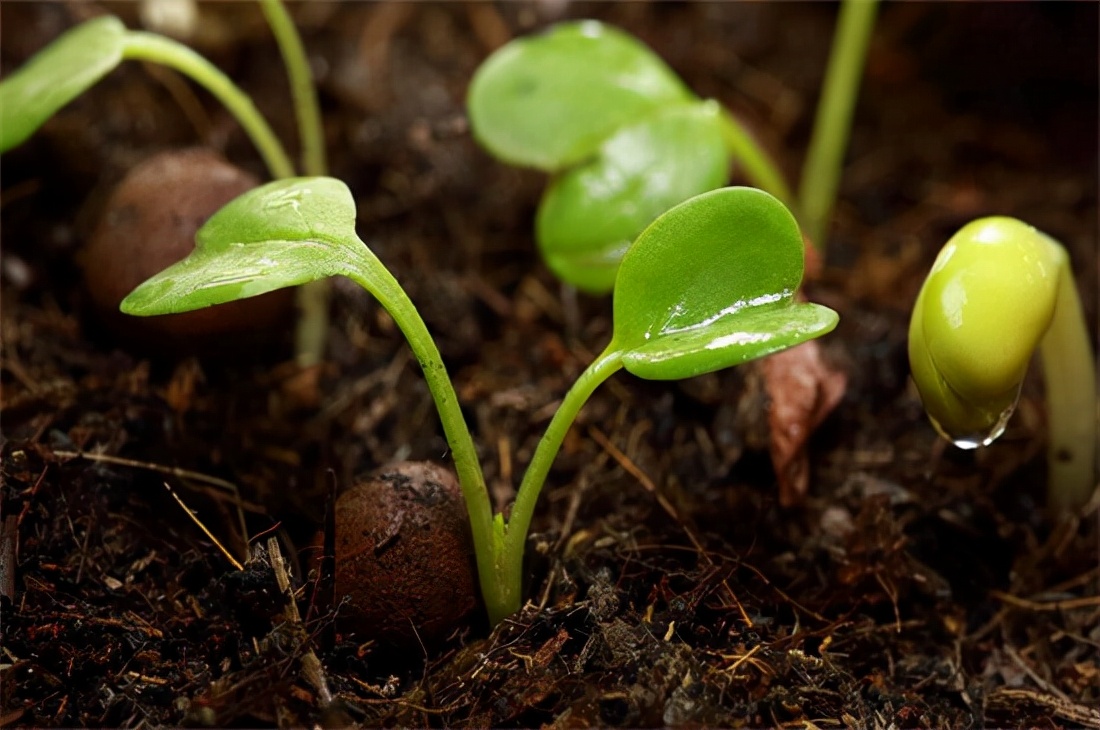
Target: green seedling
x=624, y=139
x=675, y=315
x=999, y=289
x=623, y=136
x=79, y=58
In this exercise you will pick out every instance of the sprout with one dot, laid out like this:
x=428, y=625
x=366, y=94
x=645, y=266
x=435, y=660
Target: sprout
x=79, y=58
x=999, y=289
x=625, y=139
x=623, y=136
x=708, y=285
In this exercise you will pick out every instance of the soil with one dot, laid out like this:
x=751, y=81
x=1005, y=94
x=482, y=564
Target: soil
x=914, y=585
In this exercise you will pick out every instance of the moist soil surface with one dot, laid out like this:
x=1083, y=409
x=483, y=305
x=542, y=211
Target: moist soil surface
x=911, y=585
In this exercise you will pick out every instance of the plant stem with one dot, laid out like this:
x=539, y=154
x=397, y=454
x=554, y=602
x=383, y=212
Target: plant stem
x=1069, y=370
x=366, y=270
x=311, y=328
x=144, y=46
x=302, y=89
x=509, y=578
x=312, y=298
x=498, y=546
x=759, y=168
x=821, y=172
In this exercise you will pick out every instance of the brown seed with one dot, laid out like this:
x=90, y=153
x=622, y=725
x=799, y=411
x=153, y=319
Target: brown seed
x=404, y=557
x=148, y=223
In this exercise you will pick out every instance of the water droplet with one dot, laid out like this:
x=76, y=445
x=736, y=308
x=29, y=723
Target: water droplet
x=970, y=441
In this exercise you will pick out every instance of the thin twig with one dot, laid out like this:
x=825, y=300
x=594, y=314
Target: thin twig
x=1067, y=710
x=311, y=665
x=170, y=470
x=1063, y=605
x=1043, y=684
x=234, y=493
x=9, y=535
x=187, y=510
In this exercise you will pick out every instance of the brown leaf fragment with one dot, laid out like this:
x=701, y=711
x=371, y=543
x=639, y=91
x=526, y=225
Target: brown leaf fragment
x=802, y=390
x=813, y=262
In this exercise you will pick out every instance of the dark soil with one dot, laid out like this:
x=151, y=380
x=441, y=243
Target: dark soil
x=914, y=586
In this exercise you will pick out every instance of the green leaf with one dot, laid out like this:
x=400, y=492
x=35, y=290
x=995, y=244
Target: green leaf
x=754, y=332
x=56, y=75
x=282, y=234
x=711, y=284
x=548, y=101
x=590, y=215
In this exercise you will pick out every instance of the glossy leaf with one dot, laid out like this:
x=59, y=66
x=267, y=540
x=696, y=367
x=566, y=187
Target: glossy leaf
x=548, y=101
x=282, y=234
x=729, y=301
x=56, y=75
x=590, y=215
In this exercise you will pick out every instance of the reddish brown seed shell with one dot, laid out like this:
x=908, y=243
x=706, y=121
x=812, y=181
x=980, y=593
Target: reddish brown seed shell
x=404, y=557
x=148, y=223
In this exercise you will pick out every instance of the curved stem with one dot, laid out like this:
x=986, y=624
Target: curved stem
x=1069, y=371
x=821, y=172
x=366, y=270
x=759, y=167
x=302, y=89
x=510, y=561
x=151, y=47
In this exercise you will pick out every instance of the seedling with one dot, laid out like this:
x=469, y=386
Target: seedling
x=79, y=58
x=624, y=139
x=999, y=289
x=675, y=315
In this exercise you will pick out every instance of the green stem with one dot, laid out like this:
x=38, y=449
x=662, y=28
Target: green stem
x=498, y=546
x=821, y=173
x=311, y=327
x=1069, y=370
x=142, y=46
x=509, y=569
x=366, y=270
x=302, y=89
x=759, y=168
x=312, y=298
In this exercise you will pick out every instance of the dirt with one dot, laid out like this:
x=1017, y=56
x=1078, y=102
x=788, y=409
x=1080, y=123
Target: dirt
x=913, y=585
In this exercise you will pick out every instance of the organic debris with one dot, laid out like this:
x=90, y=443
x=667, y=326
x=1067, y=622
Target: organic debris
x=913, y=585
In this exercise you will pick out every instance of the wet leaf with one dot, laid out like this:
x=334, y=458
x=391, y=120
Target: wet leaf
x=282, y=234
x=56, y=75
x=711, y=284
x=590, y=215
x=549, y=101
